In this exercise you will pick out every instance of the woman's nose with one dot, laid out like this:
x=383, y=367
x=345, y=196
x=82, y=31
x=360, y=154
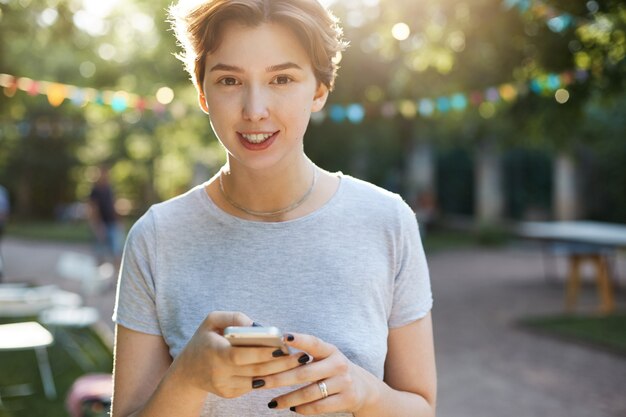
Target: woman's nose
x=255, y=106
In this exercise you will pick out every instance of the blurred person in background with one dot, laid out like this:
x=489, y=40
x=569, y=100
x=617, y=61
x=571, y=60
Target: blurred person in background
x=274, y=238
x=5, y=208
x=104, y=221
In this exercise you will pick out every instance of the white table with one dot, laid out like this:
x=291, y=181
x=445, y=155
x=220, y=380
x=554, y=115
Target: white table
x=24, y=301
x=593, y=233
x=69, y=316
x=31, y=335
x=58, y=318
x=587, y=240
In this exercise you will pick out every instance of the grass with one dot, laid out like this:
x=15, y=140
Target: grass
x=74, y=353
x=606, y=332
x=439, y=240
x=77, y=232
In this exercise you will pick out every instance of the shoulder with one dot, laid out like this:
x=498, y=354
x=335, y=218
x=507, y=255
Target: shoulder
x=171, y=213
x=364, y=203
x=372, y=198
x=181, y=205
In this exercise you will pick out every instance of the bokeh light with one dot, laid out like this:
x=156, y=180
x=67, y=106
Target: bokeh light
x=48, y=17
x=426, y=107
x=456, y=41
x=106, y=51
x=337, y=113
x=355, y=113
x=87, y=69
x=165, y=95
x=459, y=102
x=408, y=109
x=56, y=94
x=561, y=96
x=401, y=31
x=487, y=110
x=508, y=92
x=374, y=93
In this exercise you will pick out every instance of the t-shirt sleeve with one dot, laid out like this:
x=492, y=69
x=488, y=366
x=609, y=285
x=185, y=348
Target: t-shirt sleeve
x=135, y=306
x=412, y=295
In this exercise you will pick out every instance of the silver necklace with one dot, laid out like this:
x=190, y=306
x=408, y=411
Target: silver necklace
x=269, y=213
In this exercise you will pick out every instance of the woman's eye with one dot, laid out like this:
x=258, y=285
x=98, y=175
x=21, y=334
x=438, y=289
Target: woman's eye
x=228, y=81
x=282, y=79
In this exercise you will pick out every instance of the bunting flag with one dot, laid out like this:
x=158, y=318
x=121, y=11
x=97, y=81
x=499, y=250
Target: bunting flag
x=557, y=20
x=484, y=100
x=58, y=93
x=548, y=85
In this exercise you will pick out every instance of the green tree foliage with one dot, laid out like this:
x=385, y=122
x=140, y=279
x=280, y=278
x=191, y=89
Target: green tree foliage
x=47, y=154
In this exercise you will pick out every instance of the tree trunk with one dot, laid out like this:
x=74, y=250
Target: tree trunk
x=421, y=184
x=565, y=198
x=489, y=193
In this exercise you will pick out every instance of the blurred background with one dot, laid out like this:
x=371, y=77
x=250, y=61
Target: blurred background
x=428, y=93
x=487, y=116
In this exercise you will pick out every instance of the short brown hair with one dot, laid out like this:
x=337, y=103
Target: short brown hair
x=198, y=25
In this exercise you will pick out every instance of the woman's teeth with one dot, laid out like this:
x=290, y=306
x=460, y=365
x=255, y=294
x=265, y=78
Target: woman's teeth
x=256, y=137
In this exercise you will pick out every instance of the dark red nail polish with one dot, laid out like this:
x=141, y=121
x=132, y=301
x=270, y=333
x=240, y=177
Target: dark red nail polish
x=258, y=383
x=293, y=409
x=304, y=358
x=290, y=337
x=272, y=404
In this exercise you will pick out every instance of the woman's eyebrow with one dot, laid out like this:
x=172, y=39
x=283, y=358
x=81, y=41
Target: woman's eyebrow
x=282, y=67
x=224, y=67
x=272, y=68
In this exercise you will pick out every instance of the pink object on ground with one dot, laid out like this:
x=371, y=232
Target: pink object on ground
x=88, y=387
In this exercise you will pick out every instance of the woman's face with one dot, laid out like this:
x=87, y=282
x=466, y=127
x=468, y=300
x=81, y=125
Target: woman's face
x=259, y=90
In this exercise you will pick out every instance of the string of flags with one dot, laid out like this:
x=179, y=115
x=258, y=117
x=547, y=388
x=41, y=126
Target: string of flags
x=163, y=103
x=484, y=100
x=557, y=20
x=57, y=93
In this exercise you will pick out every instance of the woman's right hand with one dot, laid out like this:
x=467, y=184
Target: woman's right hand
x=211, y=364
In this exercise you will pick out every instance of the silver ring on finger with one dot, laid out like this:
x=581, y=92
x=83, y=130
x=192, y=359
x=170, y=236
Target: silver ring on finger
x=323, y=389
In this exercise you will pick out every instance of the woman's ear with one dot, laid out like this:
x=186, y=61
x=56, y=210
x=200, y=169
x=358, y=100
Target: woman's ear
x=319, y=99
x=202, y=100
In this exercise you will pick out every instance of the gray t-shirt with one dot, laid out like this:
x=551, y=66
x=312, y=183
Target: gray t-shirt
x=346, y=273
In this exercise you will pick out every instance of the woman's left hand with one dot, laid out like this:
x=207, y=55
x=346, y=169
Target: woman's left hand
x=334, y=383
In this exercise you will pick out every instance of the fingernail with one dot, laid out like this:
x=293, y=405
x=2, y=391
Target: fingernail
x=289, y=337
x=258, y=383
x=272, y=404
x=293, y=409
x=278, y=353
x=304, y=359
x=255, y=324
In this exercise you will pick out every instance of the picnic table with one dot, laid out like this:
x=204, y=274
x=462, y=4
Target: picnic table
x=17, y=300
x=582, y=241
x=31, y=335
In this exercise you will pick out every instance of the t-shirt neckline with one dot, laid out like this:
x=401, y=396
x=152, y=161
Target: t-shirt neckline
x=223, y=215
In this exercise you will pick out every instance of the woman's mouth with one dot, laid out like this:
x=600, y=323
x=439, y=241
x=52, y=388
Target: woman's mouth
x=256, y=137
x=257, y=141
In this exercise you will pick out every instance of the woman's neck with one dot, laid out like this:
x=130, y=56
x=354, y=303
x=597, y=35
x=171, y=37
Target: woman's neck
x=268, y=190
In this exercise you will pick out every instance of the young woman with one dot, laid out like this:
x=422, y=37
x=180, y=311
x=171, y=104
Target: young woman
x=333, y=260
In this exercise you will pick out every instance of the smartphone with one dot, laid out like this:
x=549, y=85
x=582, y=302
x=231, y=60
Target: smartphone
x=254, y=336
